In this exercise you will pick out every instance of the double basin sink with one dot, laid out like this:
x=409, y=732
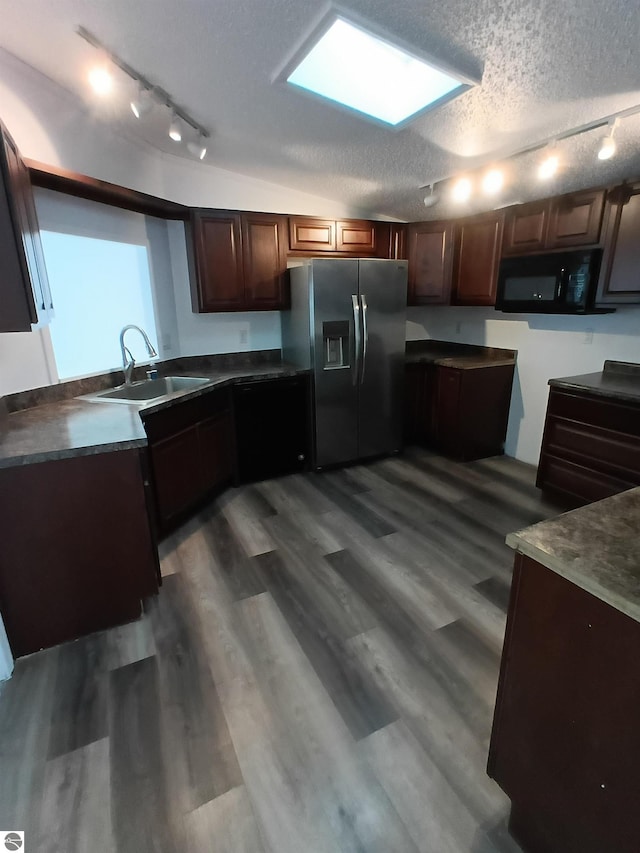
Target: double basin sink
x=148, y=389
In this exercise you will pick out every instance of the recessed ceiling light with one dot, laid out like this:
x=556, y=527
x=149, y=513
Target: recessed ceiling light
x=101, y=80
x=354, y=67
x=462, y=190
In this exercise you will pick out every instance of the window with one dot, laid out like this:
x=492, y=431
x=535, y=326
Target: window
x=100, y=277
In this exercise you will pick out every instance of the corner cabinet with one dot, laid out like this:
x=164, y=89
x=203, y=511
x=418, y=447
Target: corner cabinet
x=21, y=257
x=620, y=275
x=430, y=250
x=239, y=261
x=477, y=258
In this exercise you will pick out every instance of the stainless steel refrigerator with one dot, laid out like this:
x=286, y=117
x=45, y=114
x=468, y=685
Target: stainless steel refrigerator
x=347, y=324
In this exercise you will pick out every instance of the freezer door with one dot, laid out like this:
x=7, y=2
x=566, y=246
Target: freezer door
x=336, y=335
x=383, y=300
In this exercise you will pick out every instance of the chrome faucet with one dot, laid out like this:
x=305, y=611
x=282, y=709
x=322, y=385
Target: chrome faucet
x=129, y=363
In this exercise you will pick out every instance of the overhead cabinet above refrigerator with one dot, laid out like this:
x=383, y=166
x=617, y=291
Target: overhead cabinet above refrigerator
x=347, y=325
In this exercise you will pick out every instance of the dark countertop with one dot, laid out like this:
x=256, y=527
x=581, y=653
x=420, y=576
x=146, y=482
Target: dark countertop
x=618, y=380
x=461, y=356
x=78, y=427
x=595, y=547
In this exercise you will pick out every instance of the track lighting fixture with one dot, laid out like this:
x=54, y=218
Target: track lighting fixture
x=198, y=147
x=142, y=103
x=431, y=198
x=149, y=94
x=493, y=181
x=101, y=80
x=550, y=165
x=175, y=130
x=461, y=191
x=608, y=143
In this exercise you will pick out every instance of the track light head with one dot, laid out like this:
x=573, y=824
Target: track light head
x=431, y=199
x=198, y=147
x=142, y=103
x=175, y=129
x=607, y=143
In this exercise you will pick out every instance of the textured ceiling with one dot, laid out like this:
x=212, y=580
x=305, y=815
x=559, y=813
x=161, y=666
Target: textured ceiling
x=545, y=67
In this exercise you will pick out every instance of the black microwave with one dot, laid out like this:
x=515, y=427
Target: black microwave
x=562, y=283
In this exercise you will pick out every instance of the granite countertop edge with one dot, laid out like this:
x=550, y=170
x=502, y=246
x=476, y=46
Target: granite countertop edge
x=594, y=547
x=27, y=436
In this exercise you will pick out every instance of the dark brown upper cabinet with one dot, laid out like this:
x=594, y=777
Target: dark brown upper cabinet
x=356, y=235
x=476, y=259
x=312, y=235
x=430, y=263
x=563, y=222
x=341, y=237
x=620, y=275
x=525, y=228
x=21, y=259
x=240, y=261
x=575, y=219
x=264, y=255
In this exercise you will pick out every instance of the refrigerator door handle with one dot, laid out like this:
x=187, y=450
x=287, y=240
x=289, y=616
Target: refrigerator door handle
x=356, y=337
x=365, y=336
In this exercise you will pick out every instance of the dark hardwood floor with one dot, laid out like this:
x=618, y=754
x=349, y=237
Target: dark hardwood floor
x=317, y=675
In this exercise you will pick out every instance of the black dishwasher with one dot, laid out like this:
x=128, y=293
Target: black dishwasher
x=272, y=427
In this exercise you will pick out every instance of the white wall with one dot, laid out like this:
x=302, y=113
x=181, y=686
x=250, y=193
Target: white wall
x=548, y=347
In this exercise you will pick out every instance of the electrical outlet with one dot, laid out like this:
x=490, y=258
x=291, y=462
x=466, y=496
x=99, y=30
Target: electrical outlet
x=588, y=336
x=244, y=337
x=458, y=327
x=166, y=342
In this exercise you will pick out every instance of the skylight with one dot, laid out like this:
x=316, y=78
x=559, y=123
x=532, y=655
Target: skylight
x=361, y=71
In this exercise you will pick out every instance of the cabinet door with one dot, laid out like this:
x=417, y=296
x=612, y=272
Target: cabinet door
x=216, y=451
x=391, y=240
x=264, y=255
x=620, y=276
x=525, y=228
x=477, y=258
x=430, y=263
x=17, y=234
x=357, y=236
x=218, y=260
x=312, y=235
x=447, y=410
x=176, y=472
x=575, y=219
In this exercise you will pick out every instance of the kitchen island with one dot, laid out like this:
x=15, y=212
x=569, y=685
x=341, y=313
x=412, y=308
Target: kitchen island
x=565, y=742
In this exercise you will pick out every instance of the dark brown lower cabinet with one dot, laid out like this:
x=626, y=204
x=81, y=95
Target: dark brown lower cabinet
x=77, y=554
x=192, y=454
x=462, y=412
x=590, y=447
x=419, y=389
x=565, y=740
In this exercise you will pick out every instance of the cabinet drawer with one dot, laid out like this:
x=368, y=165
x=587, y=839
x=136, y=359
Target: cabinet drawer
x=606, y=449
x=602, y=412
x=578, y=481
x=184, y=414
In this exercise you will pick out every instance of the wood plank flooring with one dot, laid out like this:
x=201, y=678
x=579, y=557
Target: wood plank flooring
x=317, y=675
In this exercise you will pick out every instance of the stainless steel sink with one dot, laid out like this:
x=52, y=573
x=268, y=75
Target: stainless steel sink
x=149, y=389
